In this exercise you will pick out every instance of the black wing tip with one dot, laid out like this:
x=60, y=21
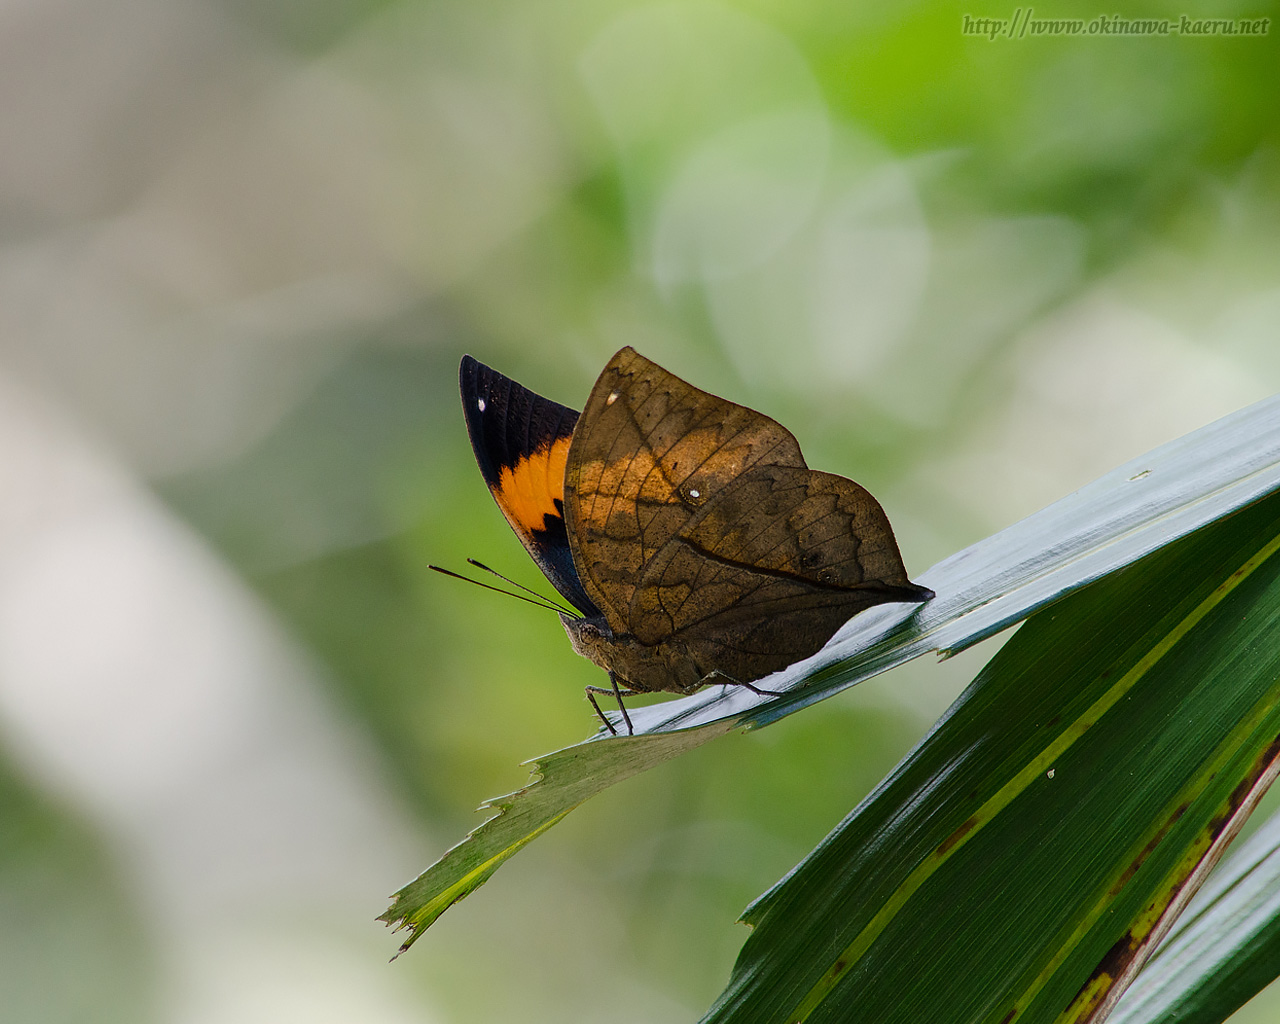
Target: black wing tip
x=472, y=367
x=480, y=378
x=475, y=378
x=476, y=382
x=473, y=381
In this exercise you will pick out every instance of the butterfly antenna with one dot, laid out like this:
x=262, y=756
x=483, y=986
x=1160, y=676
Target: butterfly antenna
x=481, y=565
x=519, y=597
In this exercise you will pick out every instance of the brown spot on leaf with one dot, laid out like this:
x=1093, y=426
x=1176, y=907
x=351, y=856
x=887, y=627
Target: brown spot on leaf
x=1146, y=851
x=950, y=842
x=1111, y=966
x=1244, y=787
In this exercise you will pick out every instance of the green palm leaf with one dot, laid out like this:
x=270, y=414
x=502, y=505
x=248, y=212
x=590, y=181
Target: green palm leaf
x=1022, y=863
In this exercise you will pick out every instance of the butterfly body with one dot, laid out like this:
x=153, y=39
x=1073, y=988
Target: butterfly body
x=642, y=668
x=687, y=530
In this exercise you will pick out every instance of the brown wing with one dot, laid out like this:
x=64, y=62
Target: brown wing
x=648, y=451
x=696, y=520
x=768, y=570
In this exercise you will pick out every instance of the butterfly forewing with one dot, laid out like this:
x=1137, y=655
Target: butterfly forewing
x=650, y=451
x=521, y=443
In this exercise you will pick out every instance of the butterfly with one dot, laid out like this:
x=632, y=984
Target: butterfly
x=687, y=532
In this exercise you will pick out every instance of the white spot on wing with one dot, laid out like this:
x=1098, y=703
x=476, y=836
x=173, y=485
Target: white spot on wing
x=611, y=399
x=694, y=494
x=480, y=404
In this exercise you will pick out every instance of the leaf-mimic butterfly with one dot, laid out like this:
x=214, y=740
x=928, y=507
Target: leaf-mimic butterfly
x=687, y=531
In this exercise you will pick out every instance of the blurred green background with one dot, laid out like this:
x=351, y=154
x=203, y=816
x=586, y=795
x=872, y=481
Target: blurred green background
x=242, y=248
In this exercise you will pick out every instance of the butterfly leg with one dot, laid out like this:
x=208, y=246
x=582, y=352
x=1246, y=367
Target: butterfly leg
x=720, y=678
x=591, y=696
x=617, y=693
x=762, y=693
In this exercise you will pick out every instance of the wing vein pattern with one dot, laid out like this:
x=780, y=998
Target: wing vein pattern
x=698, y=529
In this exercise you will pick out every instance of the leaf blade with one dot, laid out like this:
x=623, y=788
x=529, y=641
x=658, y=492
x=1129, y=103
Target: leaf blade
x=576, y=773
x=943, y=954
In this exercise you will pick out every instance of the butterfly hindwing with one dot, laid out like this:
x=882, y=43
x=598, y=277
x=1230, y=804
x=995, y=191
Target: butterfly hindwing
x=772, y=567
x=521, y=443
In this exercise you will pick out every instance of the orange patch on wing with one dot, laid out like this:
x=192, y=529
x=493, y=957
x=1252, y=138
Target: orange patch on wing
x=528, y=491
